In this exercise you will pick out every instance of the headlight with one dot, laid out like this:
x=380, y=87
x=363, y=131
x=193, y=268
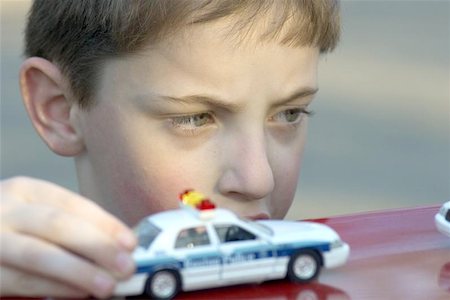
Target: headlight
x=336, y=244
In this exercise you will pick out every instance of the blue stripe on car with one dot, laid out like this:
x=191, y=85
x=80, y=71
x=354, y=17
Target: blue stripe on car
x=213, y=258
x=289, y=249
x=152, y=265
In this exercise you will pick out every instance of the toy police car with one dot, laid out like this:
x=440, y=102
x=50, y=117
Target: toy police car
x=442, y=219
x=196, y=248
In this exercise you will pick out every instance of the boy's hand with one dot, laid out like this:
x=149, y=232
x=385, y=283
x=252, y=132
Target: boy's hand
x=57, y=243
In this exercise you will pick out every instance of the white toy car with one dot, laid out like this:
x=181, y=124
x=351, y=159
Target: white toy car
x=442, y=219
x=189, y=249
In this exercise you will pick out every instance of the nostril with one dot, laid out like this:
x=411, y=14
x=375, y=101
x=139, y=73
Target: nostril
x=239, y=196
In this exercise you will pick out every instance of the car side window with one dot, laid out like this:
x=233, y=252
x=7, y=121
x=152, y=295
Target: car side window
x=192, y=237
x=233, y=233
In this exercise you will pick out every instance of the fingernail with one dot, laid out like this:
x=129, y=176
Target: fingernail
x=124, y=263
x=127, y=240
x=104, y=285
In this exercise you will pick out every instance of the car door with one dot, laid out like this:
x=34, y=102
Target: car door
x=245, y=256
x=201, y=260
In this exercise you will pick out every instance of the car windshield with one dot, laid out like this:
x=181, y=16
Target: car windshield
x=146, y=233
x=258, y=226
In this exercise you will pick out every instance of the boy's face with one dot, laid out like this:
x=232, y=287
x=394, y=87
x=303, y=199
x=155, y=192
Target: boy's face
x=199, y=111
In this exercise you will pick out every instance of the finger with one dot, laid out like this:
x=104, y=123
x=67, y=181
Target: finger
x=15, y=282
x=71, y=233
x=39, y=191
x=34, y=256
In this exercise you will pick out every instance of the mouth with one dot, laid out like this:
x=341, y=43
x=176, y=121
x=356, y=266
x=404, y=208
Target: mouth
x=260, y=216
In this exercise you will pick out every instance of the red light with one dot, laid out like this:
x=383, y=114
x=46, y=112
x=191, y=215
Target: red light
x=205, y=204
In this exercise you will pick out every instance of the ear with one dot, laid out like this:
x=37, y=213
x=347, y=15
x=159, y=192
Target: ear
x=45, y=94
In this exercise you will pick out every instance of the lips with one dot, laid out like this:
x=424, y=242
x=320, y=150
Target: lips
x=260, y=216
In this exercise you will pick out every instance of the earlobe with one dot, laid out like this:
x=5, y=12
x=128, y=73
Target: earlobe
x=45, y=94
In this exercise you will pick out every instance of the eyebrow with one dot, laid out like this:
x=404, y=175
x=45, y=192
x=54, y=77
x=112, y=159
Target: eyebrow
x=302, y=93
x=213, y=101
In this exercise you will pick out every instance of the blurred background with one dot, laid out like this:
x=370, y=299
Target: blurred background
x=380, y=137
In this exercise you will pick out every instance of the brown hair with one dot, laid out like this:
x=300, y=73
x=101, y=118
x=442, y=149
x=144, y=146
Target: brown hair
x=80, y=35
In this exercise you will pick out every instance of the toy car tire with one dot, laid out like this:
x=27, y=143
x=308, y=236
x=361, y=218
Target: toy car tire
x=163, y=284
x=304, y=266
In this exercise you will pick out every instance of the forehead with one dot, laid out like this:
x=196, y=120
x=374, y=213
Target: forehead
x=245, y=30
x=200, y=59
x=204, y=59
x=219, y=41
x=201, y=56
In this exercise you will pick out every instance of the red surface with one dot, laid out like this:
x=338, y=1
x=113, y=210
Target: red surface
x=394, y=255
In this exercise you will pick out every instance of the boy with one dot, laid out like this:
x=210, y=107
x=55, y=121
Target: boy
x=152, y=98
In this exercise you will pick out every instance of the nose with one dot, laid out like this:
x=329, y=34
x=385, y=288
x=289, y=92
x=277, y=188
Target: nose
x=247, y=173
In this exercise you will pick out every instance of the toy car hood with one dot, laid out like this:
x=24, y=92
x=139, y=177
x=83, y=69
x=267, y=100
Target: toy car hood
x=288, y=231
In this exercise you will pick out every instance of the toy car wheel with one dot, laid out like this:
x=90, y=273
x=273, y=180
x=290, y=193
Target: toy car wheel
x=304, y=266
x=164, y=284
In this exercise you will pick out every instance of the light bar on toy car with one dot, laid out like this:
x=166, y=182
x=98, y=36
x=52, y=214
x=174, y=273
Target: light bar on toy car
x=197, y=203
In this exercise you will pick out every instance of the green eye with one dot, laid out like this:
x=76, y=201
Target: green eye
x=192, y=121
x=291, y=115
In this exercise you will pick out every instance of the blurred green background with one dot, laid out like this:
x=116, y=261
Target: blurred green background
x=380, y=137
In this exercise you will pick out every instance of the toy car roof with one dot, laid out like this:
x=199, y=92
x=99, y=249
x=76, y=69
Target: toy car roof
x=185, y=217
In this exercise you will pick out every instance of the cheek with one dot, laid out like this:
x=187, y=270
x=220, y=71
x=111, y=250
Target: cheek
x=286, y=163
x=286, y=173
x=286, y=181
x=136, y=200
x=133, y=176
x=154, y=179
